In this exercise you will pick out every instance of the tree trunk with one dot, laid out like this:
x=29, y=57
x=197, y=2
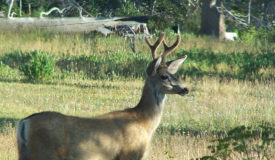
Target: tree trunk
x=248, y=15
x=20, y=11
x=212, y=21
x=10, y=8
x=30, y=9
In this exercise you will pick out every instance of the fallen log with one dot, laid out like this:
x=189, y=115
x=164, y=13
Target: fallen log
x=74, y=25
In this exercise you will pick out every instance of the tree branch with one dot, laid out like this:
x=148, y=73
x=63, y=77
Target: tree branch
x=51, y=10
x=237, y=18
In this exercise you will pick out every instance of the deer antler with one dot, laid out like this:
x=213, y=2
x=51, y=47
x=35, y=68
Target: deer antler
x=155, y=46
x=167, y=49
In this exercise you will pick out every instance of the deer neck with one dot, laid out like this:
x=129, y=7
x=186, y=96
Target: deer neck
x=150, y=106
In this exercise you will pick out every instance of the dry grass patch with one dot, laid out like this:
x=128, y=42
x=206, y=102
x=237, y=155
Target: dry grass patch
x=8, y=148
x=178, y=147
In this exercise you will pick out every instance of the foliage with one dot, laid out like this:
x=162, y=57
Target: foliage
x=259, y=15
x=170, y=13
x=253, y=35
x=243, y=142
x=243, y=66
x=40, y=67
x=16, y=58
x=7, y=72
x=128, y=9
x=3, y=7
x=112, y=65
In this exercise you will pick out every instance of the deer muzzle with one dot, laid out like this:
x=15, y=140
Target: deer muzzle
x=181, y=90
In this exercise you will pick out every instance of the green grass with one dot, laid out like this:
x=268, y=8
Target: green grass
x=231, y=84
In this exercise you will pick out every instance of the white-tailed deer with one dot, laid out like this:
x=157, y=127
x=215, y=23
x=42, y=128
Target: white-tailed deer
x=118, y=135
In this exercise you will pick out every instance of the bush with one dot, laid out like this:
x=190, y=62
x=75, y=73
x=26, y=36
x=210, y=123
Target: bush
x=243, y=142
x=242, y=65
x=7, y=73
x=16, y=58
x=40, y=67
x=253, y=35
x=128, y=9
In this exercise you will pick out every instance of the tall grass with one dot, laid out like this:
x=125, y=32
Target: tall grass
x=78, y=44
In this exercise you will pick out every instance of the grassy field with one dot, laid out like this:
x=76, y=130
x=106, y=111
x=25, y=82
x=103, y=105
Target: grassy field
x=207, y=109
x=78, y=44
x=212, y=108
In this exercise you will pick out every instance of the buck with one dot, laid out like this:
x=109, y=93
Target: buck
x=118, y=135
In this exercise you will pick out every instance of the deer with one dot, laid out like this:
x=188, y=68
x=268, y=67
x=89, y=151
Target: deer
x=118, y=135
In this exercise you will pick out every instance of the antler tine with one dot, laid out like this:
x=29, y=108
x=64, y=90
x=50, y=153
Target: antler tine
x=167, y=49
x=155, y=46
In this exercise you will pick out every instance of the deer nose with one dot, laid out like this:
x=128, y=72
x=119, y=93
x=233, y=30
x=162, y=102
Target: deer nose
x=185, y=90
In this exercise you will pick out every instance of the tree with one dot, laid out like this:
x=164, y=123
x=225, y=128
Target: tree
x=212, y=20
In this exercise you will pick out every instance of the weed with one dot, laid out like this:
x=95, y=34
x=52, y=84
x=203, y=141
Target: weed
x=41, y=66
x=257, y=36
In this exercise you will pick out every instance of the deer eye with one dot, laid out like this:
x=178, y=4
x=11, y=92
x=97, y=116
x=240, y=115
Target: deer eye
x=164, y=77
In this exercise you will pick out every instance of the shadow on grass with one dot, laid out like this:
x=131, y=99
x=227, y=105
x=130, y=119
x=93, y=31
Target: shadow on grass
x=7, y=80
x=171, y=130
x=78, y=85
x=200, y=63
x=242, y=66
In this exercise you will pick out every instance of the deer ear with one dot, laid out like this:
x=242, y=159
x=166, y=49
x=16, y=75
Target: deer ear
x=154, y=65
x=174, y=65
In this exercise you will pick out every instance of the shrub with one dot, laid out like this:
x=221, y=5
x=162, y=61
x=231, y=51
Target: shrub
x=253, y=35
x=128, y=9
x=8, y=73
x=243, y=142
x=15, y=59
x=40, y=67
x=242, y=65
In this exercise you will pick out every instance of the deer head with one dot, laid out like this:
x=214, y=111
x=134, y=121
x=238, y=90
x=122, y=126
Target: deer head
x=161, y=73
